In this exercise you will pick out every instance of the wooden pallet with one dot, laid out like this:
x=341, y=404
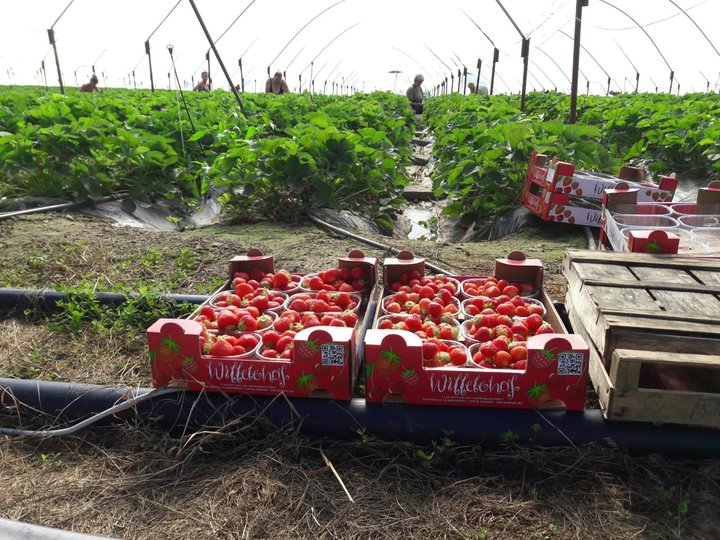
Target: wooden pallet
x=653, y=327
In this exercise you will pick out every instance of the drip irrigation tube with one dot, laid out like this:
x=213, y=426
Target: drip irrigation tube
x=369, y=242
x=55, y=207
x=48, y=299
x=178, y=410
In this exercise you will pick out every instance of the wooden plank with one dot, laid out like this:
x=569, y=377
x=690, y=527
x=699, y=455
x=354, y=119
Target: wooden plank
x=643, y=259
x=688, y=302
x=708, y=325
x=624, y=375
x=596, y=370
x=666, y=406
x=604, y=272
x=664, y=275
x=640, y=334
x=707, y=277
x=659, y=285
x=658, y=357
x=582, y=309
x=618, y=297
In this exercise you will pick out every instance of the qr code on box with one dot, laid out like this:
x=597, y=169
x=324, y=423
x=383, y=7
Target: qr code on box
x=570, y=363
x=332, y=355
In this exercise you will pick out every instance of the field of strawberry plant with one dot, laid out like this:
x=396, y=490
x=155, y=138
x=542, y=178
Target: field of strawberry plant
x=274, y=159
x=484, y=143
x=282, y=155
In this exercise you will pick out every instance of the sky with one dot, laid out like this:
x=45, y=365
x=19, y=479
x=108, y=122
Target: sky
x=359, y=43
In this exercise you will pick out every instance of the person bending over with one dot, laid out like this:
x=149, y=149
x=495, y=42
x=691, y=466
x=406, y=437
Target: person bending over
x=276, y=85
x=91, y=86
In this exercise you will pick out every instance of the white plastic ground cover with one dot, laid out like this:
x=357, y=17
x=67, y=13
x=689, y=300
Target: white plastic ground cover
x=16, y=530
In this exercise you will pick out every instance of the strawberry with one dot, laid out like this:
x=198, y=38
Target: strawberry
x=281, y=279
x=227, y=320
x=429, y=349
x=208, y=312
x=221, y=347
x=458, y=356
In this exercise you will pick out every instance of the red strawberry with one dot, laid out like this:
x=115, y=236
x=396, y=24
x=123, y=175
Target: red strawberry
x=226, y=319
x=429, y=349
x=208, y=311
x=221, y=347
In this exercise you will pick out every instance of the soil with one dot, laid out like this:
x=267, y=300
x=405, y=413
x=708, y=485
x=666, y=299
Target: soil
x=248, y=480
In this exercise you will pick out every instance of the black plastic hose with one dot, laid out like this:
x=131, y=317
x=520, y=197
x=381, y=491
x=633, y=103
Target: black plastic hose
x=48, y=299
x=345, y=419
x=55, y=207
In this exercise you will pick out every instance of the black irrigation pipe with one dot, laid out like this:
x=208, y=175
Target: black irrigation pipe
x=369, y=242
x=55, y=207
x=178, y=410
x=48, y=299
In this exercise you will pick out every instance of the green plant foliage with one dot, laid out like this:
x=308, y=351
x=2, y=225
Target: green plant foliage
x=277, y=158
x=483, y=143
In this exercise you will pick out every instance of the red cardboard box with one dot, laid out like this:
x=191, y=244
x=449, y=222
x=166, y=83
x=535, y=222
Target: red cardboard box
x=326, y=359
x=657, y=242
x=556, y=372
x=325, y=363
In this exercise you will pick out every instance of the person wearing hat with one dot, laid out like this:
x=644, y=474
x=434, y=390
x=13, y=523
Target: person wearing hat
x=415, y=94
x=91, y=86
x=276, y=85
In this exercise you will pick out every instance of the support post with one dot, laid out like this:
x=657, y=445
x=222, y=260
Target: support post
x=51, y=37
x=217, y=55
x=477, y=80
x=242, y=77
x=637, y=81
x=672, y=77
x=147, y=51
x=525, y=53
x=496, y=59
x=579, y=4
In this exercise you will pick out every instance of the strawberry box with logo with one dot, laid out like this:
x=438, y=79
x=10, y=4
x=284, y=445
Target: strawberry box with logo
x=320, y=360
x=688, y=228
x=556, y=372
x=555, y=191
x=407, y=366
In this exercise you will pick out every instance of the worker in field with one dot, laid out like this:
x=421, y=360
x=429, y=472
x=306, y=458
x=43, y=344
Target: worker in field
x=276, y=85
x=203, y=84
x=481, y=90
x=415, y=94
x=91, y=86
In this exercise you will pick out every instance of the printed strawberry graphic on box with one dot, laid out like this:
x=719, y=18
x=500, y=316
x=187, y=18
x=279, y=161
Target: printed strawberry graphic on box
x=410, y=377
x=537, y=395
x=306, y=384
x=305, y=350
x=388, y=363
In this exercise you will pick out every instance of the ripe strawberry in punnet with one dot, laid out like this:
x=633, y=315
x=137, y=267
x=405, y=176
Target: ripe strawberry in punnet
x=227, y=320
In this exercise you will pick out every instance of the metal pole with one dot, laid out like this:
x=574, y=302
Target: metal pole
x=525, y=53
x=637, y=81
x=242, y=77
x=576, y=61
x=207, y=57
x=607, y=93
x=217, y=55
x=51, y=37
x=311, y=77
x=477, y=81
x=452, y=82
x=42, y=64
x=496, y=59
x=672, y=76
x=147, y=51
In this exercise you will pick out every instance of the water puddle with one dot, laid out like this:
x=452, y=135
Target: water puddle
x=419, y=217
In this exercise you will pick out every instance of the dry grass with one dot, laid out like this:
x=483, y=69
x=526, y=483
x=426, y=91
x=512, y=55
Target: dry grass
x=251, y=481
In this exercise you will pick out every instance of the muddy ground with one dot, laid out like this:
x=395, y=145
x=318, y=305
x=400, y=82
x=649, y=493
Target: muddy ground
x=252, y=481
